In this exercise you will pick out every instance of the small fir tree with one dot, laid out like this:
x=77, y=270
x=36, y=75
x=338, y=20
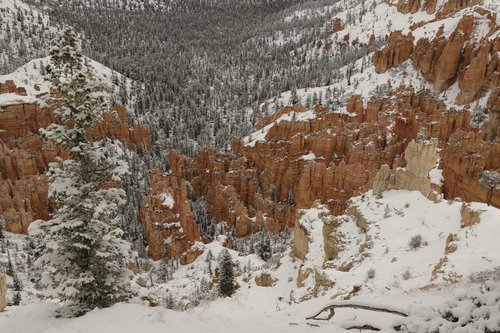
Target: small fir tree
x=18, y=286
x=264, y=249
x=291, y=197
x=169, y=302
x=81, y=254
x=10, y=266
x=16, y=300
x=226, y=280
x=2, y=228
x=208, y=260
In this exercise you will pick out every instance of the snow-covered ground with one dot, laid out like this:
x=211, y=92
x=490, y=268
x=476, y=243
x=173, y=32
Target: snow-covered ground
x=403, y=275
x=31, y=74
x=11, y=98
x=260, y=135
x=252, y=310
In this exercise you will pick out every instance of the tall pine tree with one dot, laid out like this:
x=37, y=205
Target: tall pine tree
x=81, y=253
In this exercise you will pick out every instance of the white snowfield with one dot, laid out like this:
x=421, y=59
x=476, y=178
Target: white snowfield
x=12, y=99
x=247, y=312
x=403, y=278
x=30, y=74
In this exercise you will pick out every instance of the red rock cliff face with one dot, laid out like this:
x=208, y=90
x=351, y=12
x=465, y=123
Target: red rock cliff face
x=24, y=158
x=170, y=225
x=399, y=49
x=469, y=56
x=266, y=183
x=429, y=6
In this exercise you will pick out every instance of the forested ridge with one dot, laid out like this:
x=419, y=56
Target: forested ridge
x=202, y=68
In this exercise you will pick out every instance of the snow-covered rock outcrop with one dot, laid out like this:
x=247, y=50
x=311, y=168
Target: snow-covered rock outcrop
x=398, y=241
x=421, y=173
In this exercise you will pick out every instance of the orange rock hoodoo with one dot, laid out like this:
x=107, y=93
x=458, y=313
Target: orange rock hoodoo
x=398, y=50
x=429, y=6
x=169, y=223
x=266, y=183
x=461, y=57
x=24, y=158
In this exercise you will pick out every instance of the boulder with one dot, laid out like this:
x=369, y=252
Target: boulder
x=265, y=280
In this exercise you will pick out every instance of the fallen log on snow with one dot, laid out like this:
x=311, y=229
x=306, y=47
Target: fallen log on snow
x=332, y=308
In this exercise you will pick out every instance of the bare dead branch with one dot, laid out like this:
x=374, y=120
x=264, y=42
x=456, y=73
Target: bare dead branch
x=332, y=308
x=364, y=327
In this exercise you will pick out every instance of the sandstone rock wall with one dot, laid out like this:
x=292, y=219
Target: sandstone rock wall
x=398, y=49
x=24, y=158
x=170, y=230
x=430, y=6
x=465, y=157
x=468, y=56
x=300, y=241
x=267, y=183
x=421, y=158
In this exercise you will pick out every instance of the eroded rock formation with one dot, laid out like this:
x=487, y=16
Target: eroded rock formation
x=469, y=216
x=421, y=162
x=430, y=6
x=265, y=183
x=170, y=225
x=469, y=55
x=398, y=49
x=24, y=157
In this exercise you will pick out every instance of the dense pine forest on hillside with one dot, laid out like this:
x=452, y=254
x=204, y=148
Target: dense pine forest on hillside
x=200, y=70
x=207, y=66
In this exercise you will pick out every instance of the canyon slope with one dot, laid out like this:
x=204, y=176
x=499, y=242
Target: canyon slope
x=436, y=79
x=373, y=189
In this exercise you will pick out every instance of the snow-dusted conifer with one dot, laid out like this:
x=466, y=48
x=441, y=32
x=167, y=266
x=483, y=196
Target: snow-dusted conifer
x=2, y=228
x=81, y=253
x=16, y=300
x=264, y=249
x=226, y=282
